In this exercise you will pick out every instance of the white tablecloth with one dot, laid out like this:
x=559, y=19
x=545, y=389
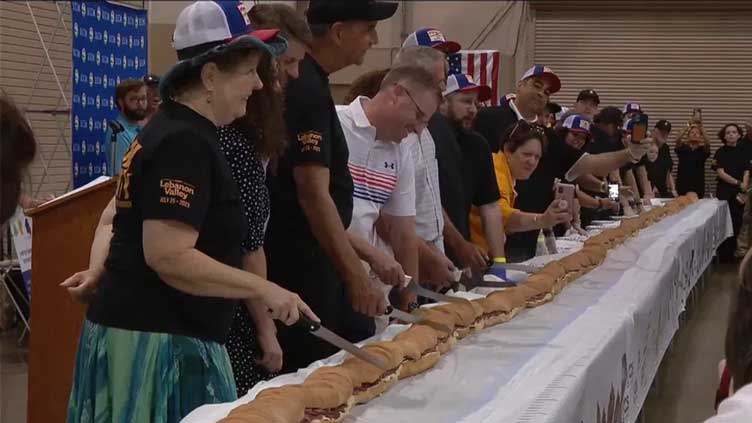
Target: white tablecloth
x=591, y=352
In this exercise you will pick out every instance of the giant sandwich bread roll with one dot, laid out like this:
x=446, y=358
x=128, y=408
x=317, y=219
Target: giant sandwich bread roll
x=327, y=395
x=420, y=346
x=443, y=324
x=463, y=314
x=370, y=381
x=543, y=287
x=274, y=405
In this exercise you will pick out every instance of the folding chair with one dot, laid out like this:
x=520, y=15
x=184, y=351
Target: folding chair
x=14, y=293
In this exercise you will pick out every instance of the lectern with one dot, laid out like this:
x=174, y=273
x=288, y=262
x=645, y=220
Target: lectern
x=63, y=230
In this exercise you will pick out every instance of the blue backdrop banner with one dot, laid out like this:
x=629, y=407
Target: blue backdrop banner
x=109, y=45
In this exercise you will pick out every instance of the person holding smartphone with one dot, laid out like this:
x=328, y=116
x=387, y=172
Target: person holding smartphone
x=522, y=146
x=692, y=150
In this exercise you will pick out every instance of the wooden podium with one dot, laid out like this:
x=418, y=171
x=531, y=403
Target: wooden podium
x=63, y=230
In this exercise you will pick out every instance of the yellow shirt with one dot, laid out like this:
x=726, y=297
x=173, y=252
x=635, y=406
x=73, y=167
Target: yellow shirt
x=506, y=202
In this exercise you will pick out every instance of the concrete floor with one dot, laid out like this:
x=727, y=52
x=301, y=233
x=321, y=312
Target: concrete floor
x=684, y=391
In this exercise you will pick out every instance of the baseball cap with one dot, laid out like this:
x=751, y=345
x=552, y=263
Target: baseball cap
x=577, y=123
x=151, y=78
x=431, y=37
x=205, y=29
x=330, y=11
x=589, y=94
x=545, y=73
x=663, y=125
x=205, y=24
x=631, y=107
x=464, y=83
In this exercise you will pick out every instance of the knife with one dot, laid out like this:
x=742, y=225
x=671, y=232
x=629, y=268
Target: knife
x=519, y=267
x=416, y=289
x=472, y=280
x=316, y=329
x=401, y=315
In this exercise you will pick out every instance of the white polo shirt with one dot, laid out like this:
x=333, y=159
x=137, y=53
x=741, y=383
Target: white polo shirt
x=429, y=216
x=383, y=173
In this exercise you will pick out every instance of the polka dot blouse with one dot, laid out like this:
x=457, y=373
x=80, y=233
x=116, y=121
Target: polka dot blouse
x=249, y=172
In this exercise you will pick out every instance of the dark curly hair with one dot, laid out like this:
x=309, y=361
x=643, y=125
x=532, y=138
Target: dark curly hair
x=263, y=122
x=517, y=134
x=722, y=132
x=17, y=150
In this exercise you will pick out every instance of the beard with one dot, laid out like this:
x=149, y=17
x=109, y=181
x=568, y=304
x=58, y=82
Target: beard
x=134, y=114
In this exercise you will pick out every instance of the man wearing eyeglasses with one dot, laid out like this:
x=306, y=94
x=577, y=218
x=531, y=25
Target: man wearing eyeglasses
x=466, y=173
x=383, y=173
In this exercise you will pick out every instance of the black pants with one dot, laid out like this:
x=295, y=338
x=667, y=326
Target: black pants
x=312, y=276
x=728, y=247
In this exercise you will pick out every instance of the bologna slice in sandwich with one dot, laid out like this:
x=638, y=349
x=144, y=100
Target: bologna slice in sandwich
x=368, y=380
x=327, y=395
x=420, y=346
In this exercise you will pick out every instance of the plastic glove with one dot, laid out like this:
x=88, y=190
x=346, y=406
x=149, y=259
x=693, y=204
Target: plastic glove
x=498, y=271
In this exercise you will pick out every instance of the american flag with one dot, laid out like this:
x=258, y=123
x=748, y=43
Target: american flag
x=482, y=65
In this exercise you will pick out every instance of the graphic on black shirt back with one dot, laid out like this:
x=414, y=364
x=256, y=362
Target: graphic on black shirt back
x=123, y=195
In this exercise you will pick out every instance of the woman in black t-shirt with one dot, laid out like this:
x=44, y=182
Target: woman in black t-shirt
x=692, y=150
x=151, y=346
x=732, y=168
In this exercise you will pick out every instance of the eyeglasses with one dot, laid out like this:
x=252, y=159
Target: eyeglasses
x=422, y=116
x=527, y=126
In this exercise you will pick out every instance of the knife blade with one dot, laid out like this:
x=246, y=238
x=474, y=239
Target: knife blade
x=527, y=268
x=416, y=289
x=401, y=315
x=315, y=328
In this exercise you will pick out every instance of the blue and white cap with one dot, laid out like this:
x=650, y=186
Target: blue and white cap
x=211, y=23
x=205, y=29
x=464, y=83
x=431, y=37
x=577, y=123
x=546, y=73
x=631, y=107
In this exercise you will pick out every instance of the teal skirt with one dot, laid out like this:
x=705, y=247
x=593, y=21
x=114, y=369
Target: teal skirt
x=125, y=376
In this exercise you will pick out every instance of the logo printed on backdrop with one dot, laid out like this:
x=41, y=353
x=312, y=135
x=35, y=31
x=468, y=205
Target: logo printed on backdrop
x=107, y=38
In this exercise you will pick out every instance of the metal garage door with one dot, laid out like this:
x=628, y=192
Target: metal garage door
x=668, y=60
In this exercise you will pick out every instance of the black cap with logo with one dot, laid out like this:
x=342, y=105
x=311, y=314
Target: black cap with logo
x=330, y=11
x=663, y=125
x=589, y=94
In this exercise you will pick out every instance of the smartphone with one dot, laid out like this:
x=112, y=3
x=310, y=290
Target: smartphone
x=697, y=114
x=613, y=192
x=565, y=192
x=639, y=128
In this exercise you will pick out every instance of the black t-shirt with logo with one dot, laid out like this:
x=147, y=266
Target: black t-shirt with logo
x=174, y=170
x=315, y=138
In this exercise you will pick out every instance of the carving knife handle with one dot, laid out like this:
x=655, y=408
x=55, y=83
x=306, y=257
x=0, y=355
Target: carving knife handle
x=307, y=324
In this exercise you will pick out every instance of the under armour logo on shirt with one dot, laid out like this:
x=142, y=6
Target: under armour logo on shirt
x=388, y=165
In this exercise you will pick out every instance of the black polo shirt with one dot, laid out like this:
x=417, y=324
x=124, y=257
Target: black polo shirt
x=734, y=162
x=174, y=170
x=466, y=173
x=491, y=122
x=315, y=138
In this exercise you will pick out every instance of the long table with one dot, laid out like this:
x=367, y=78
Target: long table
x=589, y=355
